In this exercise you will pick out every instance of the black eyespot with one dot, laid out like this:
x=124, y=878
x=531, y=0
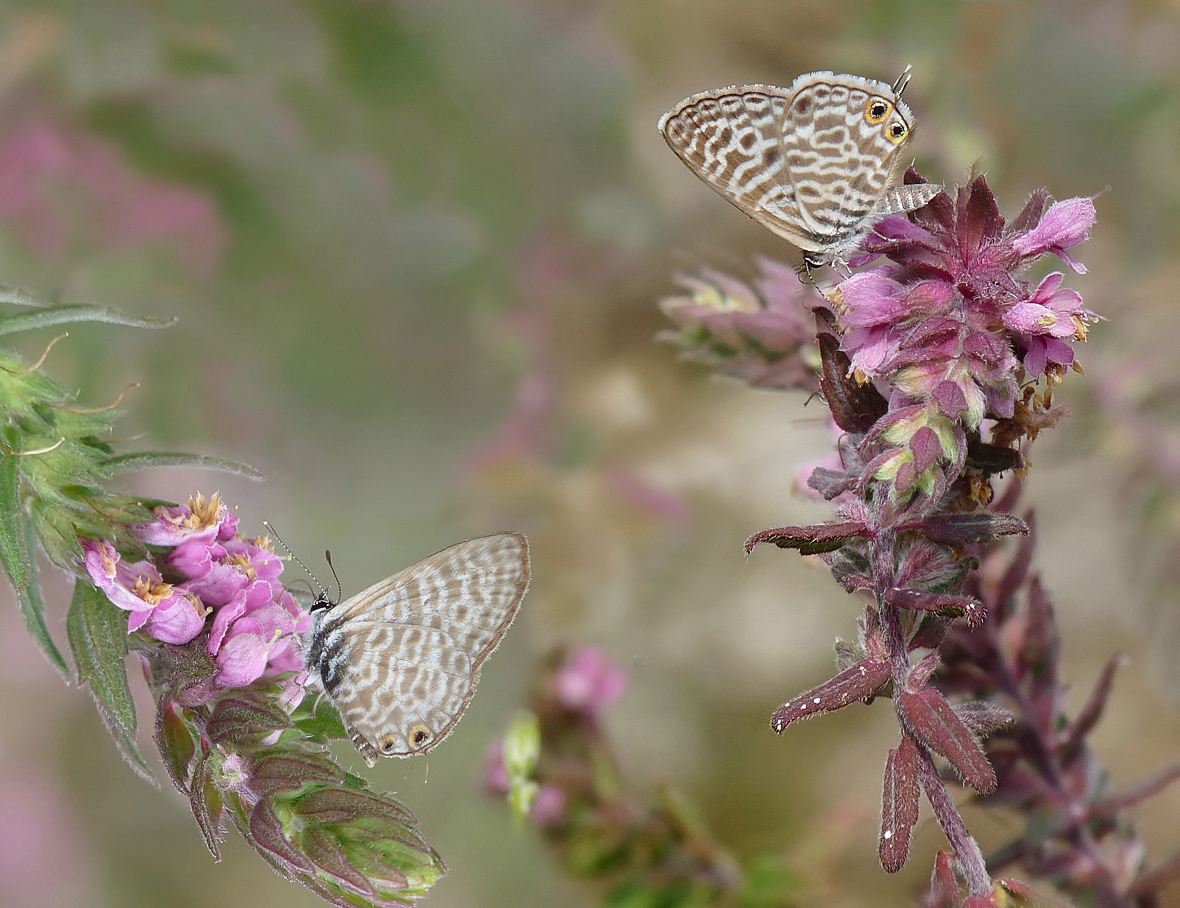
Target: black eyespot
x=420, y=738
x=897, y=130
x=877, y=110
x=387, y=746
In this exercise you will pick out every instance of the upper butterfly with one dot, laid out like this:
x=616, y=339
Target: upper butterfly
x=811, y=162
x=400, y=660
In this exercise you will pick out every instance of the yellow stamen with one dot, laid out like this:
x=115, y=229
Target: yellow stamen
x=152, y=591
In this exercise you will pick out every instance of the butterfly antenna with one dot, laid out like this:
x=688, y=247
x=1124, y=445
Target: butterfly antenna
x=339, y=589
x=903, y=80
x=270, y=529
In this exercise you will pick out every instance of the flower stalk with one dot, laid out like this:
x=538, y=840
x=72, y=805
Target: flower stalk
x=938, y=359
x=203, y=610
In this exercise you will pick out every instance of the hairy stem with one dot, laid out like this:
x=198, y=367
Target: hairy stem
x=971, y=863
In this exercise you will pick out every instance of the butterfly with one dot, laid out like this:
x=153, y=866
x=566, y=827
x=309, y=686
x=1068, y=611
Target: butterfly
x=812, y=162
x=400, y=660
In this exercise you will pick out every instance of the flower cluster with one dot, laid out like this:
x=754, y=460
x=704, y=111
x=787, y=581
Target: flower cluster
x=645, y=853
x=220, y=641
x=256, y=624
x=760, y=333
x=945, y=323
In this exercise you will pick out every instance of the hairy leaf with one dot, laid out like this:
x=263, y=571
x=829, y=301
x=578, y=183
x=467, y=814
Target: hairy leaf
x=32, y=608
x=14, y=554
x=899, y=805
x=929, y=717
x=147, y=460
x=857, y=682
x=97, y=632
x=60, y=315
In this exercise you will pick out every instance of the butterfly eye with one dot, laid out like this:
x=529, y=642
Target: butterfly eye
x=877, y=111
x=419, y=735
x=898, y=130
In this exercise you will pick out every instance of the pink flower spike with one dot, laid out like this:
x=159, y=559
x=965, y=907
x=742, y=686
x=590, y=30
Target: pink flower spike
x=1064, y=225
x=589, y=682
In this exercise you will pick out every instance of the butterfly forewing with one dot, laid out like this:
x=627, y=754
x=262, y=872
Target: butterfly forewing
x=732, y=139
x=401, y=659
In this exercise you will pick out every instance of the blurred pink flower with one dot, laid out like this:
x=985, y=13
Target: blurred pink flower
x=59, y=184
x=589, y=682
x=548, y=807
x=495, y=776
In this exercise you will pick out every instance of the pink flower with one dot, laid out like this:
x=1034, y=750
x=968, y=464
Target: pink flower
x=1045, y=321
x=257, y=634
x=163, y=611
x=178, y=619
x=495, y=776
x=589, y=682
x=548, y=807
x=1063, y=226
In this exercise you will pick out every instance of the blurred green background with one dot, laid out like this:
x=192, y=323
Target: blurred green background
x=414, y=250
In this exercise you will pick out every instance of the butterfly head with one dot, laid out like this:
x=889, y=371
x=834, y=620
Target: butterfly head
x=321, y=603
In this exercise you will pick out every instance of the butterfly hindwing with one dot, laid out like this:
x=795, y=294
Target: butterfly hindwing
x=401, y=659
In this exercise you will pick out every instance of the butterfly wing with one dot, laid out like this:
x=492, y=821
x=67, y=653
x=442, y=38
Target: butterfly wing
x=837, y=156
x=401, y=659
x=732, y=139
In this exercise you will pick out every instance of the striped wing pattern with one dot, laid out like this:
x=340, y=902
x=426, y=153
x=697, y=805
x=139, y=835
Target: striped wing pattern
x=401, y=659
x=808, y=162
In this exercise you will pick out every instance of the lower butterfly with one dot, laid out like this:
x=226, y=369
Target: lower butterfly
x=813, y=162
x=400, y=660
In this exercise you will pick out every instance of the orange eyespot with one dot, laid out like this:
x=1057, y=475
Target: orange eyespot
x=388, y=743
x=897, y=131
x=877, y=110
x=419, y=735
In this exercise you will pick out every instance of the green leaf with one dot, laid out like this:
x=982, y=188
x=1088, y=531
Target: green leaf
x=32, y=609
x=20, y=298
x=14, y=556
x=60, y=315
x=97, y=632
x=321, y=725
x=127, y=463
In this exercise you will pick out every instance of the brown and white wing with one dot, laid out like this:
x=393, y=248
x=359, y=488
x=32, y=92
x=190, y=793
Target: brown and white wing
x=407, y=651
x=837, y=158
x=732, y=139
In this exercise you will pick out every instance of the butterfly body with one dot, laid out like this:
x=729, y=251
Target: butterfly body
x=812, y=162
x=400, y=660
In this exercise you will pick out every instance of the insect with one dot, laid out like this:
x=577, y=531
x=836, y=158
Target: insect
x=400, y=660
x=811, y=162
